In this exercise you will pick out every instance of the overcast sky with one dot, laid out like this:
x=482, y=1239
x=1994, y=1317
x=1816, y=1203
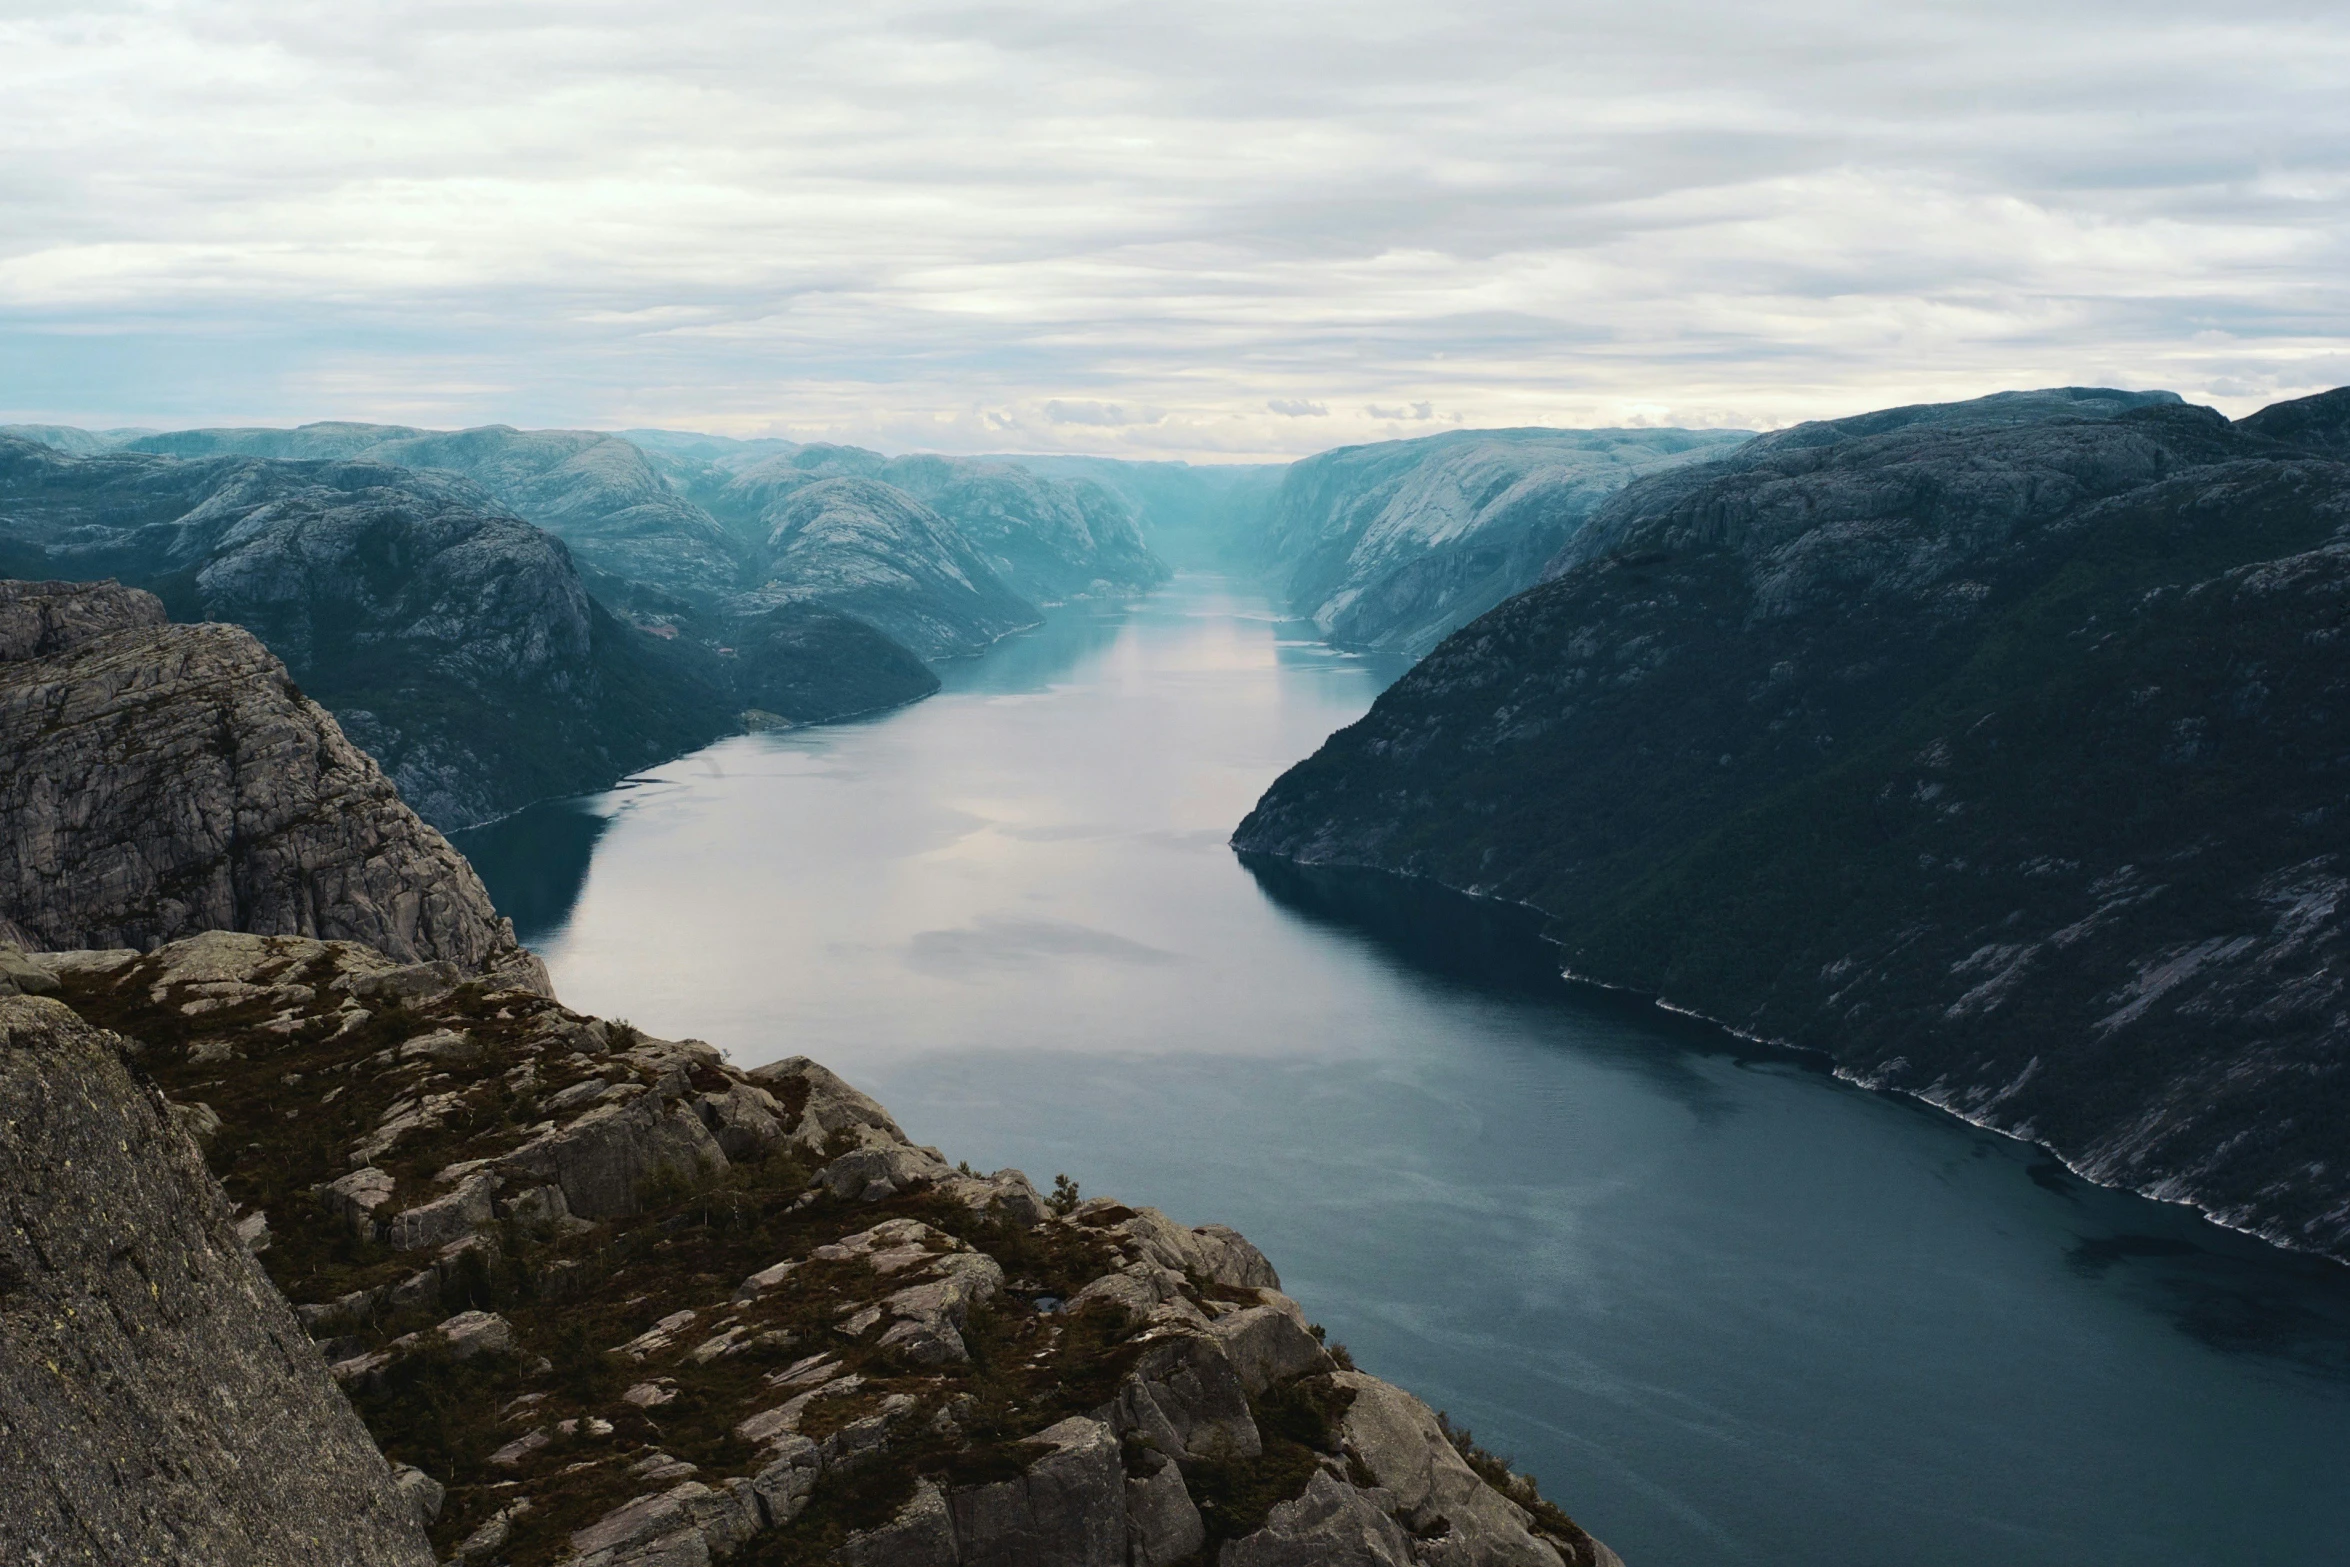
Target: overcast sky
x=1154, y=229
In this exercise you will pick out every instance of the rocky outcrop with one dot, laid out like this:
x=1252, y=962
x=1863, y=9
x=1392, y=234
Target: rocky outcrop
x=158, y=780
x=158, y=1401
x=1395, y=545
x=616, y=1303
x=1991, y=747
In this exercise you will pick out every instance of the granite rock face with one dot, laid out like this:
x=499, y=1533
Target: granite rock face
x=1395, y=545
x=613, y=1302
x=1994, y=748
x=158, y=780
x=158, y=1400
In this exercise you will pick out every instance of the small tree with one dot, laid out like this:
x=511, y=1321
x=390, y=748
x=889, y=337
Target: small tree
x=1064, y=1198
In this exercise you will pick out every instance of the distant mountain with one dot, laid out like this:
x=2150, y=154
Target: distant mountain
x=1194, y=516
x=1995, y=748
x=66, y=438
x=1394, y=545
x=1046, y=539
x=870, y=550
x=454, y=642
x=596, y=492
x=682, y=526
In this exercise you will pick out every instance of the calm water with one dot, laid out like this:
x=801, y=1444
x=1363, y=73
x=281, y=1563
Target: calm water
x=1729, y=1310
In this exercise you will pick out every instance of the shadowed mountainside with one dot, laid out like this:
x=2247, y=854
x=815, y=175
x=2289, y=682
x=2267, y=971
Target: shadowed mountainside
x=1995, y=748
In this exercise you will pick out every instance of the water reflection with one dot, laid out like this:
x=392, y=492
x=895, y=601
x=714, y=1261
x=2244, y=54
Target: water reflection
x=536, y=861
x=1732, y=1310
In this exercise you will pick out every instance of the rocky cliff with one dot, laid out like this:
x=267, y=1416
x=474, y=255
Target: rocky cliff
x=1994, y=748
x=159, y=1403
x=157, y=780
x=632, y=1306
x=1396, y=544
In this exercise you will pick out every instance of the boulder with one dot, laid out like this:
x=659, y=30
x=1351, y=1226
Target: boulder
x=472, y=1333
x=818, y=1104
x=355, y=1198
x=603, y=1160
x=932, y=1314
x=1163, y=1525
x=922, y=1534
x=1330, y=1525
x=21, y=976
x=1267, y=1346
x=870, y=1174
x=744, y=1119
x=1185, y=1399
x=1397, y=1438
x=447, y=1218
x=783, y=1485
x=1066, y=1510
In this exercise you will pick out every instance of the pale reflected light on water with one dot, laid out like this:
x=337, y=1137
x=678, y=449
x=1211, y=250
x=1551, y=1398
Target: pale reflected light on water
x=1729, y=1310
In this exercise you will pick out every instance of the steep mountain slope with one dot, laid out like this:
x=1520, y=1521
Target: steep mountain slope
x=696, y=517
x=1046, y=539
x=1396, y=544
x=595, y=492
x=807, y=663
x=1207, y=517
x=1049, y=540
x=157, y=780
x=1995, y=748
x=455, y=642
x=870, y=550
x=634, y=1307
x=158, y=1401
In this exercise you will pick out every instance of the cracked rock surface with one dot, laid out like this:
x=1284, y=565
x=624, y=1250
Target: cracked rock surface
x=158, y=780
x=159, y=1402
x=613, y=1302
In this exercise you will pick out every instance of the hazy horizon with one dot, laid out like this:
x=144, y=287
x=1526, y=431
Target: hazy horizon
x=1234, y=233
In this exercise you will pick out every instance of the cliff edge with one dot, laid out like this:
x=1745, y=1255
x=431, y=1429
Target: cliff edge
x=158, y=780
x=634, y=1307
x=159, y=1403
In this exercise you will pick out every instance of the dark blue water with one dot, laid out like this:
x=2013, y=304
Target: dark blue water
x=1727, y=1308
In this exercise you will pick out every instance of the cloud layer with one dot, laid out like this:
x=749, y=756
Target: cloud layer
x=1210, y=230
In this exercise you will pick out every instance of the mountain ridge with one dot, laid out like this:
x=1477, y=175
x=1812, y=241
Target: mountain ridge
x=1990, y=755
